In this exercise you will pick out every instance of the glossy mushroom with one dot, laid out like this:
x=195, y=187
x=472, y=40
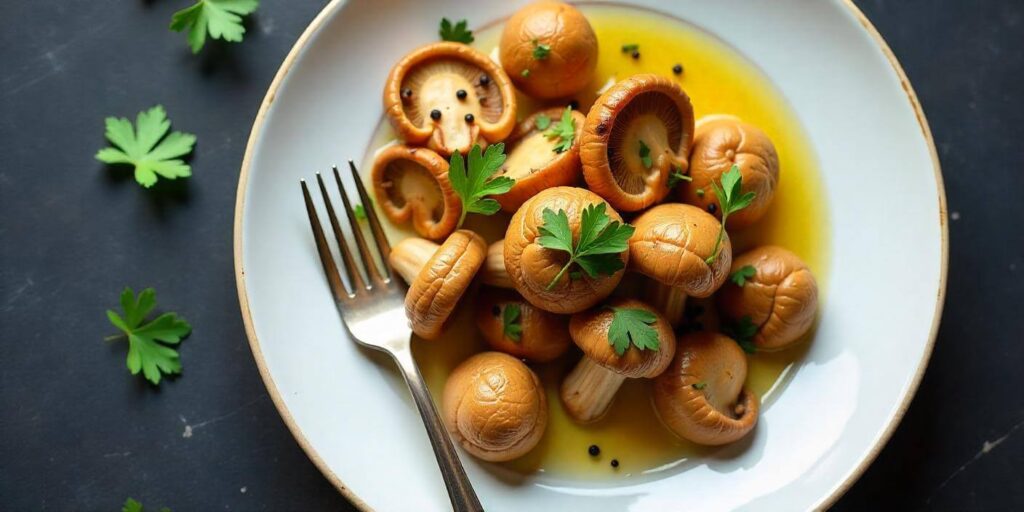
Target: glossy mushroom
x=513, y=326
x=531, y=268
x=495, y=407
x=636, y=135
x=719, y=142
x=411, y=185
x=448, y=97
x=701, y=396
x=534, y=160
x=548, y=49
x=671, y=245
x=438, y=276
x=494, y=273
x=780, y=298
x=589, y=390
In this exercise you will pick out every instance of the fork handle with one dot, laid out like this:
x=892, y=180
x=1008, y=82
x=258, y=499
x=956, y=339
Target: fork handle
x=460, y=490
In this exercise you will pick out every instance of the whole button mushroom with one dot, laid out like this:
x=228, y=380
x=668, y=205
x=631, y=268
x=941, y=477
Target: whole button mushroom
x=719, y=142
x=449, y=97
x=701, y=396
x=494, y=273
x=637, y=134
x=589, y=389
x=411, y=184
x=539, y=158
x=437, y=276
x=536, y=271
x=549, y=49
x=495, y=407
x=672, y=245
x=779, y=295
x=513, y=326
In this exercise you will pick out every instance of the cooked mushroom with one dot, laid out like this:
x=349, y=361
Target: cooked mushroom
x=701, y=397
x=495, y=407
x=589, y=389
x=436, y=279
x=411, y=184
x=671, y=245
x=780, y=298
x=422, y=98
x=549, y=50
x=494, y=273
x=513, y=326
x=534, y=159
x=719, y=142
x=636, y=135
x=532, y=268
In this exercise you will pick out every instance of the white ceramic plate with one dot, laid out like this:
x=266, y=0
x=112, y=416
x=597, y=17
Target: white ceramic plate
x=350, y=411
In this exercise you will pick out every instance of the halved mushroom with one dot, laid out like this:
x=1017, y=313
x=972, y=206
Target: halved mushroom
x=437, y=278
x=448, y=97
x=636, y=135
x=701, y=397
x=494, y=273
x=671, y=245
x=411, y=184
x=780, y=298
x=549, y=49
x=513, y=326
x=494, y=406
x=589, y=389
x=534, y=160
x=719, y=142
x=532, y=268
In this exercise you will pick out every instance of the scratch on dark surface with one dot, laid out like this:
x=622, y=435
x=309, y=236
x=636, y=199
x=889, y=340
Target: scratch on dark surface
x=13, y=297
x=116, y=454
x=190, y=429
x=986, y=448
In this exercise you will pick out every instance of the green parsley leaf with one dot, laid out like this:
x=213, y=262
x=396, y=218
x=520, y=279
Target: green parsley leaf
x=601, y=241
x=510, y=322
x=700, y=192
x=541, y=51
x=630, y=48
x=359, y=211
x=645, y=155
x=475, y=181
x=144, y=351
x=542, y=122
x=130, y=505
x=139, y=146
x=741, y=276
x=221, y=18
x=699, y=385
x=564, y=132
x=743, y=332
x=632, y=326
x=676, y=177
x=525, y=73
x=730, y=200
x=457, y=33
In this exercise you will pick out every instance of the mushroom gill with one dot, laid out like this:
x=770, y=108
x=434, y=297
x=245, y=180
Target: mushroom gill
x=652, y=118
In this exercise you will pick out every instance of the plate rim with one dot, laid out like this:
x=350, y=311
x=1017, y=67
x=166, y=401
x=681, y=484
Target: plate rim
x=275, y=395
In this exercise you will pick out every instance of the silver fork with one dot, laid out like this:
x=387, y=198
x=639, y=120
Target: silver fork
x=374, y=313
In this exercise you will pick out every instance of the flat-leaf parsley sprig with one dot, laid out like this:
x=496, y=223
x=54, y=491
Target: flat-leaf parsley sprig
x=631, y=325
x=731, y=200
x=139, y=146
x=473, y=179
x=457, y=32
x=511, y=322
x=222, y=19
x=148, y=348
x=563, y=132
x=600, y=243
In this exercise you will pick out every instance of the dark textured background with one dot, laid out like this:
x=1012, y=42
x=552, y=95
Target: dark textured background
x=78, y=432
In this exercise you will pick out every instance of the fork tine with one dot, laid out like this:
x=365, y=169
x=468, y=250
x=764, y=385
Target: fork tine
x=357, y=233
x=351, y=270
x=326, y=259
x=371, y=215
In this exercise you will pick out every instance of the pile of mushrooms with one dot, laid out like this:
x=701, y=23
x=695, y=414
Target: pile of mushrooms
x=637, y=150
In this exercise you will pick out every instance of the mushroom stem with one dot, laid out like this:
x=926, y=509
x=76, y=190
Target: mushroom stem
x=410, y=255
x=589, y=390
x=493, y=273
x=670, y=300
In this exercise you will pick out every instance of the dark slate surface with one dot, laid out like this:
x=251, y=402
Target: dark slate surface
x=78, y=432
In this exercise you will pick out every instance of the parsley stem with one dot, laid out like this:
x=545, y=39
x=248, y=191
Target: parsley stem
x=718, y=243
x=558, y=276
x=114, y=337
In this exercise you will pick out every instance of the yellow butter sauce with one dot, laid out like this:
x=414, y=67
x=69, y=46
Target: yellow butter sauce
x=718, y=80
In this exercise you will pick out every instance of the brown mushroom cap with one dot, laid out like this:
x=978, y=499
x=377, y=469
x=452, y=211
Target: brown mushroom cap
x=672, y=242
x=572, y=60
x=411, y=184
x=719, y=142
x=781, y=298
x=433, y=295
x=533, y=162
x=495, y=407
x=433, y=74
x=589, y=330
x=722, y=410
x=647, y=108
x=532, y=267
x=543, y=337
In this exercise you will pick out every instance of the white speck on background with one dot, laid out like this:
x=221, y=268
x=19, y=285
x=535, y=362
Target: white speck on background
x=955, y=215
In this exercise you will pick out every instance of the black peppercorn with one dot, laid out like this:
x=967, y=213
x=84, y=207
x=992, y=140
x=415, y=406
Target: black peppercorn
x=574, y=104
x=677, y=69
x=636, y=54
x=615, y=463
x=594, y=450
x=435, y=114
x=484, y=80
x=470, y=118
x=712, y=208
x=496, y=311
x=460, y=94
x=407, y=93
